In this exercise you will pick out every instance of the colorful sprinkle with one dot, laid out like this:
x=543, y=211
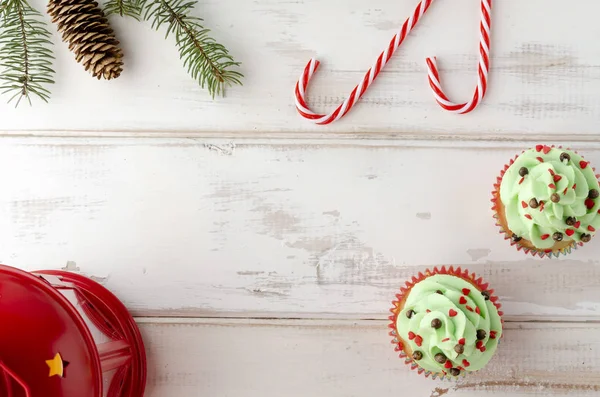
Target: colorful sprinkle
x=411, y=335
x=477, y=310
x=589, y=203
x=462, y=300
x=452, y=313
x=448, y=364
x=544, y=236
x=541, y=160
x=466, y=291
x=591, y=228
x=461, y=341
x=445, y=340
x=542, y=206
x=557, y=178
x=469, y=308
x=583, y=164
x=479, y=344
x=418, y=341
x=547, y=149
x=565, y=191
x=570, y=232
x=493, y=334
x=522, y=180
x=552, y=186
x=465, y=363
x=528, y=216
x=483, y=349
x=551, y=172
x=577, y=224
x=538, y=148
x=524, y=204
x=574, y=186
x=427, y=311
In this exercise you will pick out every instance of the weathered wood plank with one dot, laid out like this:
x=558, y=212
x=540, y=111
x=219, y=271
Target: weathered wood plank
x=543, y=79
x=192, y=227
x=354, y=358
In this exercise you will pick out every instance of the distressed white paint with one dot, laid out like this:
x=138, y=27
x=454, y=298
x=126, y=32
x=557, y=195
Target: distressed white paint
x=544, y=76
x=289, y=228
x=185, y=206
x=347, y=358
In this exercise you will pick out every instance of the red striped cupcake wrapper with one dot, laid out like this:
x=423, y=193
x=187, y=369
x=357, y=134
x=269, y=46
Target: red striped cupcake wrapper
x=405, y=290
x=508, y=236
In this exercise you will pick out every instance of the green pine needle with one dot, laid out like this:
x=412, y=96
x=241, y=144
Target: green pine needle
x=129, y=8
x=207, y=61
x=25, y=52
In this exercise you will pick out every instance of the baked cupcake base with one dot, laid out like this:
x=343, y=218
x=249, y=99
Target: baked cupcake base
x=400, y=346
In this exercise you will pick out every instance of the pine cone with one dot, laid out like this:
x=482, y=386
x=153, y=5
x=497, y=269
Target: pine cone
x=84, y=26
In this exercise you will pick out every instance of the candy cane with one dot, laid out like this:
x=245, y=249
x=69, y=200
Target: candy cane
x=384, y=58
x=484, y=67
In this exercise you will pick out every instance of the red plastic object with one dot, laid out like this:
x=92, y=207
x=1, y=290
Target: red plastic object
x=64, y=335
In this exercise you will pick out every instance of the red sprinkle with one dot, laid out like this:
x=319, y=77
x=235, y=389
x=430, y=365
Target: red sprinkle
x=583, y=164
x=479, y=344
x=570, y=232
x=483, y=349
x=577, y=224
x=521, y=181
x=574, y=186
x=599, y=211
x=541, y=160
x=547, y=149
x=452, y=313
x=448, y=364
x=411, y=335
x=545, y=236
x=539, y=148
x=466, y=291
x=477, y=310
x=589, y=203
x=591, y=228
x=551, y=172
x=445, y=339
x=565, y=191
x=427, y=311
x=465, y=363
x=493, y=334
x=528, y=216
x=418, y=341
x=552, y=186
x=542, y=204
x=462, y=300
x=469, y=308
x=524, y=204
x=461, y=341
x=557, y=178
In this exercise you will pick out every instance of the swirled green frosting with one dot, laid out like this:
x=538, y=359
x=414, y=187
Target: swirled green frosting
x=447, y=315
x=564, y=187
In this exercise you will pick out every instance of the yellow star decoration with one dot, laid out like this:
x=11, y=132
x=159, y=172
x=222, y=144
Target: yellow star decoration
x=57, y=367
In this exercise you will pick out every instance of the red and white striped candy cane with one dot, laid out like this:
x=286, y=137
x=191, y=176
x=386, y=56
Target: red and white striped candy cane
x=484, y=67
x=384, y=58
x=370, y=76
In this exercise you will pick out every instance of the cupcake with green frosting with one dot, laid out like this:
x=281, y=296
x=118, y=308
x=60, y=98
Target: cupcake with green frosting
x=446, y=323
x=546, y=201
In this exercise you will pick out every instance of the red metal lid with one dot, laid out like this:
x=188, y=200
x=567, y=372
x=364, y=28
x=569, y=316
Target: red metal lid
x=46, y=348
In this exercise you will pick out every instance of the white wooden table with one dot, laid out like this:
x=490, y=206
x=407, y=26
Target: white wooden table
x=260, y=252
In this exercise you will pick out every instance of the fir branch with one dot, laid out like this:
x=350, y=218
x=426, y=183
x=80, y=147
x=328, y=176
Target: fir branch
x=25, y=52
x=207, y=61
x=129, y=8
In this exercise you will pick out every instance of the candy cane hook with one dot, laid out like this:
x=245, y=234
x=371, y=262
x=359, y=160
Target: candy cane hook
x=383, y=59
x=370, y=76
x=484, y=67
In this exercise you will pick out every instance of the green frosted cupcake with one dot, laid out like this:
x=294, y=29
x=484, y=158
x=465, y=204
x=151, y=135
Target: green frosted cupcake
x=446, y=322
x=546, y=201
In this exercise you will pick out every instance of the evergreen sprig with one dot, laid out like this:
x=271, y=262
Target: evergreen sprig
x=25, y=52
x=129, y=8
x=207, y=61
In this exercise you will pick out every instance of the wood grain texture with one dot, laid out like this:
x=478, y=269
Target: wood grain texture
x=285, y=228
x=354, y=358
x=544, y=76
